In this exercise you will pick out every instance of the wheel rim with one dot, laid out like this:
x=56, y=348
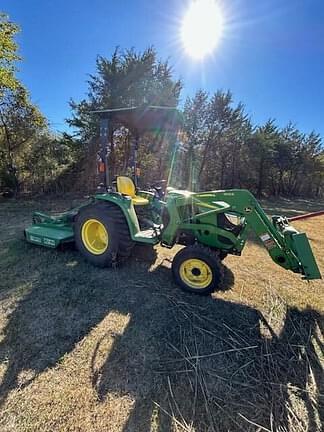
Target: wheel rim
x=94, y=236
x=196, y=273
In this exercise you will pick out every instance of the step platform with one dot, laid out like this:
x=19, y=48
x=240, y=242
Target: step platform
x=148, y=236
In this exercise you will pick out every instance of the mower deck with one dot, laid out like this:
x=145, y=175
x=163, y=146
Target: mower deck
x=52, y=231
x=51, y=237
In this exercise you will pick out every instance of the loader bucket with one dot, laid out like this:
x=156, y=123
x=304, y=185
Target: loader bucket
x=303, y=251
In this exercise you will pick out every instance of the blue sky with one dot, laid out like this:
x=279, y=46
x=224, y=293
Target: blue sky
x=271, y=55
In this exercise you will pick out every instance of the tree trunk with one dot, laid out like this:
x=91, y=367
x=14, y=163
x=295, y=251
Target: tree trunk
x=260, y=178
x=112, y=157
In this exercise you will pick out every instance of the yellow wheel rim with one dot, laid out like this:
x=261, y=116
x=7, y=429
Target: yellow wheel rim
x=94, y=236
x=196, y=273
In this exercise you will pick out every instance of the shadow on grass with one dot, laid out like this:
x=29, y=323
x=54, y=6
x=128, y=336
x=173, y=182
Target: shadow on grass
x=196, y=361
x=204, y=364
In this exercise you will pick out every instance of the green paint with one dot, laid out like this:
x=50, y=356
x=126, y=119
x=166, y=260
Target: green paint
x=198, y=217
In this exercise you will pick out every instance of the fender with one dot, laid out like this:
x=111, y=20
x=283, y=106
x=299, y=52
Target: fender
x=126, y=206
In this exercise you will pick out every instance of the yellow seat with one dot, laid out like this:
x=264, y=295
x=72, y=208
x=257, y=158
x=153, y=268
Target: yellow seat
x=126, y=186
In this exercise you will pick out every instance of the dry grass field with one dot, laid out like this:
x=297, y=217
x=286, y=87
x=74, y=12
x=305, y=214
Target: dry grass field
x=87, y=349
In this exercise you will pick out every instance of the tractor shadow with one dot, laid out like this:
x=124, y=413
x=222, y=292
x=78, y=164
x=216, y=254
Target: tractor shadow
x=204, y=364
x=183, y=359
x=57, y=299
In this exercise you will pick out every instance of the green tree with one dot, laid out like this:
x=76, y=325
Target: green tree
x=260, y=147
x=217, y=131
x=318, y=176
x=8, y=54
x=286, y=162
x=195, y=125
x=126, y=79
x=311, y=156
x=20, y=123
x=29, y=153
x=44, y=161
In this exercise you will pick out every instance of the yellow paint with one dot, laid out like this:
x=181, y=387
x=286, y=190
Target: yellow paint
x=94, y=236
x=196, y=273
x=126, y=186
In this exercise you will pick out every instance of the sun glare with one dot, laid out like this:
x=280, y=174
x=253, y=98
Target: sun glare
x=202, y=28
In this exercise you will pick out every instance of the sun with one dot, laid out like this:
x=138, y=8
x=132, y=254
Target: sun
x=202, y=28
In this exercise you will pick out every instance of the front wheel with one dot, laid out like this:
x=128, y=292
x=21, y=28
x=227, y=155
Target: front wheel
x=197, y=269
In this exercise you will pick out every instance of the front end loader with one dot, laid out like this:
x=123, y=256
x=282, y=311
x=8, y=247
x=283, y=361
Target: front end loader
x=210, y=225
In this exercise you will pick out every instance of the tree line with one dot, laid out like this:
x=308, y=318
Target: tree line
x=232, y=152
x=31, y=154
x=220, y=148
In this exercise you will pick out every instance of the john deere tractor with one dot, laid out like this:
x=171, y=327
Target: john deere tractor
x=210, y=225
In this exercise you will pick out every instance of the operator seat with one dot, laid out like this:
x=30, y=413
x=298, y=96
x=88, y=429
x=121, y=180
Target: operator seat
x=125, y=186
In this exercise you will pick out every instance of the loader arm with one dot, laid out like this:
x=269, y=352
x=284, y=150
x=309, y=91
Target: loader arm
x=285, y=245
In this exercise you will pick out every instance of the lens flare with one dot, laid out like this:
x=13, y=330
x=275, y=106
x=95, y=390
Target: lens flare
x=202, y=28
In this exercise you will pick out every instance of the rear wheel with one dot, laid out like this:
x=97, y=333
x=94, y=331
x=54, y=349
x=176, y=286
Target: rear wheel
x=102, y=234
x=197, y=269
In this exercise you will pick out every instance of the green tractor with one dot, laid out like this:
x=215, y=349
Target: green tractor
x=210, y=225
